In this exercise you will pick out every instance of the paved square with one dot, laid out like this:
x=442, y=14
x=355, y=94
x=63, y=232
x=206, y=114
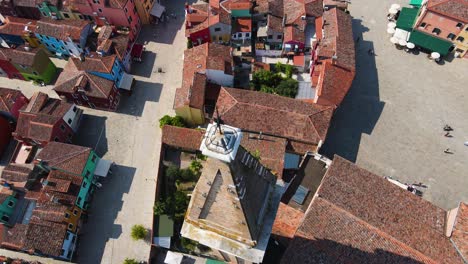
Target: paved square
x=391, y=121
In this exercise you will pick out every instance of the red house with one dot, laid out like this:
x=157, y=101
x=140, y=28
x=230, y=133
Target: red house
x=120, y=13
x=6, y=67
x=10, y=103
x=86, y=89
x=47, y=119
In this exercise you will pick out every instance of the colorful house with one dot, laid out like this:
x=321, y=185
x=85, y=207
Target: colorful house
x=7, y=69
x=64, y=38
x=76, y=160
x=110, y=42
x=206, y=68
x=34, y=64
x=207, y=23
x=10, y=103
x=47, y=119
x=107, y=67
x=8, y=203
x=27, y=9
x=50, y=9
x=120, y=13
x=442, y=21
x=87, y=89
x=16, y=31
x=238, y=8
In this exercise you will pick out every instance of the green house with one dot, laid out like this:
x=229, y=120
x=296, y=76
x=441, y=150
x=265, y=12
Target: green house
x=76, y=160
x=33, y=64
x=7, y=204
x=49, y=10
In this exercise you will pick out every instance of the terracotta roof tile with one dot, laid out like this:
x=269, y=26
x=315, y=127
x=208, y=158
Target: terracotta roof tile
x=274, y=115
x=61, y=29
x=313, y=8
x=17, y=26
x=36, y=120
x=25, y=56
x=338, y=39
x=197, y=60
x=287, y=221
x=180, y=137
x=293, y=33
x=334, y=84
x=457, y=9
x=120, y=4
x=271, y=150
x=70, y=158
x=17, y=172
x=293, y=10
x=273, y=7
x=243, y=25
x=8, y=97
x=93, y=86
x=197, y=91
x=236, y=4
x=275, y=23
x=359, y=217
x=460, y=230
x=96, y=63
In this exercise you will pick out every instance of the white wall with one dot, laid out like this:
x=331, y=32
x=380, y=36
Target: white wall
x=219, y=77
x=243, y=36
x=74, y=116
x=268, y=53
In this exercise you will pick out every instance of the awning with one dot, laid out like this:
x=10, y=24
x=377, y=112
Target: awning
x=102, y=167
x=157, y=10
x=430, y=42
x=126, y=82
x=407, y=18
x=416, y=3
x=401, y=34
x=173, y=258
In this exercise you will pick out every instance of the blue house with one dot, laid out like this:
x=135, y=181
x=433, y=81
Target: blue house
x=64, y=38
x=107, y=67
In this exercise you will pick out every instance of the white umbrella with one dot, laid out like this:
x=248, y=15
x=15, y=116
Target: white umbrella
x=392, y=11
x=395, y=6
x=393, y=40
x=173, y=258
x=402, y=42
x=390, y=30
x=435, y=55
x=391, y=25
x=410, y=45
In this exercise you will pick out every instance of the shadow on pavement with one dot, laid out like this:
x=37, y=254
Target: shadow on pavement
x=361, y=108
x=92, y=133
x=142, y=92
x=106, y=204
x=145, y=67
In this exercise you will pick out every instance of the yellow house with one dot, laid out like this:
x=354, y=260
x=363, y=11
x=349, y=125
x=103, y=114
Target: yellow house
x=461, y=42
x=72, y=218
x=143, y=9
x=192, y=116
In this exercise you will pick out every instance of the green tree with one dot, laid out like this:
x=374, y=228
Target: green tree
x=287, y=87
x=130, y=261
x=172, y=173
x=265, y=78
x=196, y=166
x=187, y=175
x=160, y=208
x=138, y=232
x=188, y=244
x=172, y=121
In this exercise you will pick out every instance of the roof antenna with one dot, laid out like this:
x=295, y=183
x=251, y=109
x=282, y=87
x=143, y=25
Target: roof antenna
x=218, y=121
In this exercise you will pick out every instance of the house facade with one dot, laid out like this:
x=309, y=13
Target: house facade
x=144, y=8
x=7, y=68
x=445, y=20
x=8, y=203
x=11, y=101
x=45, y=120
x=120, y=13
x=64, y=38
x=34, y=64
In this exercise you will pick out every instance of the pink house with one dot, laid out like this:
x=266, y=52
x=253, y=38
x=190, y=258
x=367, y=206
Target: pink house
x=121, y=13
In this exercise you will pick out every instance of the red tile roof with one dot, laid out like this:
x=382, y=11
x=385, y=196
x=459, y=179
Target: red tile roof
x=243, y=25
x=201, y=18
x=271, y=150
x=120, y=4
x=91, y=64
x=93, y=86
x=313, y=8
x=197, y=60
x=17, y=172
x=36, y=120
x=338, y=39
x=183, y=138
x=8, y=97
x=460, y=230
x=70, y=158
x=275, y=23
x=274, y=115
x=334, y=84
x=61, y=29
x=26, y=56
x=274, y=7
x=17, y=26
x=236, y=4
x=359, y=217
x=456, y=9
x=287, y=221
x=293, y=33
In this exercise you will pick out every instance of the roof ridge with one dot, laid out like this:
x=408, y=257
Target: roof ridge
x=233, y=98
x=71, y=155
x=378, y=231
x=90, y=78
